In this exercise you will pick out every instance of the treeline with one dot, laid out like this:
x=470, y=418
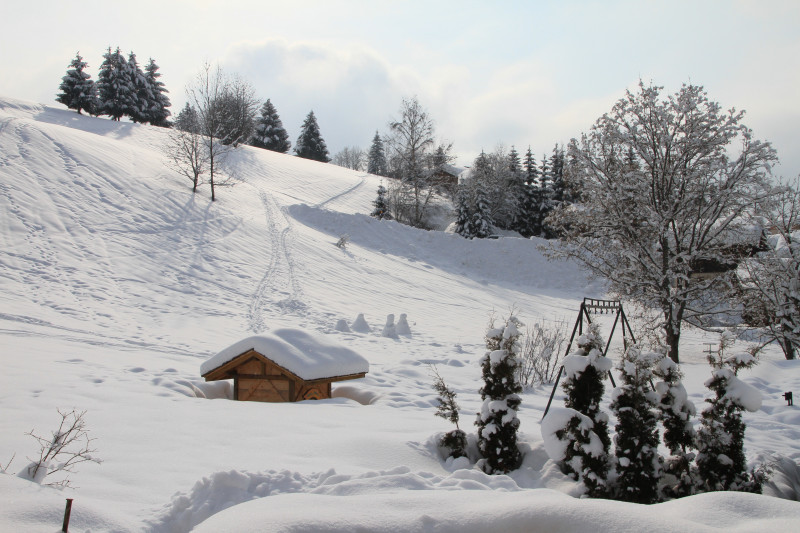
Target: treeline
x=500, y=191
x=122, y=89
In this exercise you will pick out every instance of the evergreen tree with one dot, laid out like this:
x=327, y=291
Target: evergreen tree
x=463, y=216
x=586, y=458
x=517, y=192
x=270, y=133
x=545, y=198
x=721, y=460
x=381, y=210
x=158, y=103
x=497, y=422
x=636, y=440
x=531, y=172
x=114, y=86
x=675, y=413
x=513, y=161
x=557, y=176
x=187, y=119
x=454, y=440
x=527, y=221
x=439, y=158
x=480, y=225
x=78, y=91
x=140, y=91
x=376, y=163
x=310, y=144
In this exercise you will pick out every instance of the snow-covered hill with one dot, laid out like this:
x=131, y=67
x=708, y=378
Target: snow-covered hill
x=116, y=283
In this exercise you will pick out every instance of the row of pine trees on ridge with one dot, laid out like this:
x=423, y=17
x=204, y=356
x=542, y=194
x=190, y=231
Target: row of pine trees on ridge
x=501, y=191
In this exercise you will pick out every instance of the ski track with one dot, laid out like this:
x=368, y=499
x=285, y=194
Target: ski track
x=279, y=278
x=344, y=193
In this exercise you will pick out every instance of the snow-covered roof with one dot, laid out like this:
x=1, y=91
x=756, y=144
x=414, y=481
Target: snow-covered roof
x=305, y=355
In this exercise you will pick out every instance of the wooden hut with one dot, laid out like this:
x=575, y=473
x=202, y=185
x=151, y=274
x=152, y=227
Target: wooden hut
x=288, y=365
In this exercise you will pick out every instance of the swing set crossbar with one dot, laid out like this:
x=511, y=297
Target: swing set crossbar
x=593, y=303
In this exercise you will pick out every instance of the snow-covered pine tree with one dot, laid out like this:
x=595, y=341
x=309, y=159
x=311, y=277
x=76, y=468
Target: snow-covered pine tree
x=497, y=422
x=454, y=440
x=381, y=210
x=721, y=460
x=270, y=133
x=676, y=412
x=310, y=144
x=527, y=220
x=545, y=197
x=114, y=86
x=158, y=105
x=463, y=215
x=376, y=162
x=78, y=91
x=636, y=439
x=514, y=165
x=557, y=175
x=586, y=457
x=480, y=224
x=512, y=181
x=531, y=172
x=141, y=96
x=187, y=119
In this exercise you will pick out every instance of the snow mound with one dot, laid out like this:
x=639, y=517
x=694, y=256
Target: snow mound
x=528, y=511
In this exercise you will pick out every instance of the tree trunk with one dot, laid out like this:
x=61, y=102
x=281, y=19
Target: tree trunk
x=786, y=344
x=211, y=173
x=672, y=331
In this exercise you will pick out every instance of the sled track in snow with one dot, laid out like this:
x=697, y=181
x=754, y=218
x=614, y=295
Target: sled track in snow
x=279, y=278
x=344, y=193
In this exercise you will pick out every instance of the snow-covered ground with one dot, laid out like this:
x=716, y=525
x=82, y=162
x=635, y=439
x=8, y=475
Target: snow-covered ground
x=116, y=284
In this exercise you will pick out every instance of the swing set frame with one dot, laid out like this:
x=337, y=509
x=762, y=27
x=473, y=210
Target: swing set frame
x=598, y=307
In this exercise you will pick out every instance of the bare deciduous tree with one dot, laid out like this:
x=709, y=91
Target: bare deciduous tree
x=351, y=157
x=226, y=110
x=769, y=283
x=410, y=147
x=185, y=151
x=664, y=193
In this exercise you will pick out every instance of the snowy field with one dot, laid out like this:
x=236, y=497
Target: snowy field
x=116, y=284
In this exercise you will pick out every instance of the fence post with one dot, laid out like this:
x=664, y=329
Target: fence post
x=67, y=511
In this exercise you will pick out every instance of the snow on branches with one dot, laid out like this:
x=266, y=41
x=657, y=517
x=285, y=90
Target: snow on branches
x=497, y=422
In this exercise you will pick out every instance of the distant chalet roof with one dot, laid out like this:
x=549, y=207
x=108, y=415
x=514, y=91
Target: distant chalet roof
x=307, y=356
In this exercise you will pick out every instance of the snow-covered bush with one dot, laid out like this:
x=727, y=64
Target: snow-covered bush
x=538, y=361
x=586, y=458
x=720, y=441
x=676, y=412
x=456, y=440
x=497, y=422
x=636, y=439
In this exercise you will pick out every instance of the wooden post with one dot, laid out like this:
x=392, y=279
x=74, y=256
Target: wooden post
x=67, y=512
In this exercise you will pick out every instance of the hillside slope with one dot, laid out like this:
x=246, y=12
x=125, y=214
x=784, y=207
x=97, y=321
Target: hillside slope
x=116, y=283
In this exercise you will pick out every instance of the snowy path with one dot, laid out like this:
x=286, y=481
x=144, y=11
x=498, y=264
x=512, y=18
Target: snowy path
x=344, y=193
x=279, y=287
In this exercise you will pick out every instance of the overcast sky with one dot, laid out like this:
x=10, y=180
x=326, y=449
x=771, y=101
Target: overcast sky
x=525, y=73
